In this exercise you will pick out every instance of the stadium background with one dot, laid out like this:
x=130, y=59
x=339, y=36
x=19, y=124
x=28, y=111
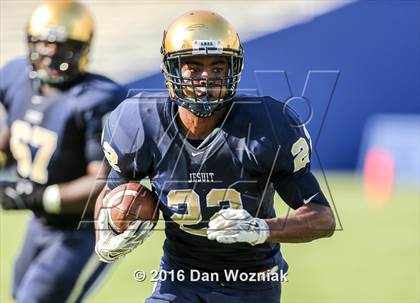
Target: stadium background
x=366, y=134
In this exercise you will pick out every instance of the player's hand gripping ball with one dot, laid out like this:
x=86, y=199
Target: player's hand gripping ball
x=130, y=202
x=127, y=218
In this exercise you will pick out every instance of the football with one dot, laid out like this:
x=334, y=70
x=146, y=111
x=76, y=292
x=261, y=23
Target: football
x=129, y=202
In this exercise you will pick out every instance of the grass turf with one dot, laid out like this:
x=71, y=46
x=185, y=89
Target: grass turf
x=373, y=256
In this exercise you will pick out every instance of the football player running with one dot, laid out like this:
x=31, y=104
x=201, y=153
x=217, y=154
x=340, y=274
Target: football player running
x=214, y=160
x=54, y=122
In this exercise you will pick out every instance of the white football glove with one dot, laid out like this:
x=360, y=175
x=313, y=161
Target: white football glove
x=110, y=246
x=237, y=225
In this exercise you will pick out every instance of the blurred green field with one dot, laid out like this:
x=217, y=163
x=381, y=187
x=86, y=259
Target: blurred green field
x=373, y=257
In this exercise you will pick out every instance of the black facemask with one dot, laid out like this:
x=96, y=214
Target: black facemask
x=55, y=63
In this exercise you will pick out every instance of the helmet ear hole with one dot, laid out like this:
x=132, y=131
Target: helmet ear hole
x=170, y=89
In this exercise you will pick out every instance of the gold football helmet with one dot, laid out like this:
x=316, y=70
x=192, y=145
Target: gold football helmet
x=59, y=35
x=201, y=33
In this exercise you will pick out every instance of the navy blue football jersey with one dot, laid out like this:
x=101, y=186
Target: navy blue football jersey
x=259, y=148
x=53, y=138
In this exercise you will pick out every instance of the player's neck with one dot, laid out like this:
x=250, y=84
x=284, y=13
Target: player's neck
x=198, y=128
x=48, y=90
